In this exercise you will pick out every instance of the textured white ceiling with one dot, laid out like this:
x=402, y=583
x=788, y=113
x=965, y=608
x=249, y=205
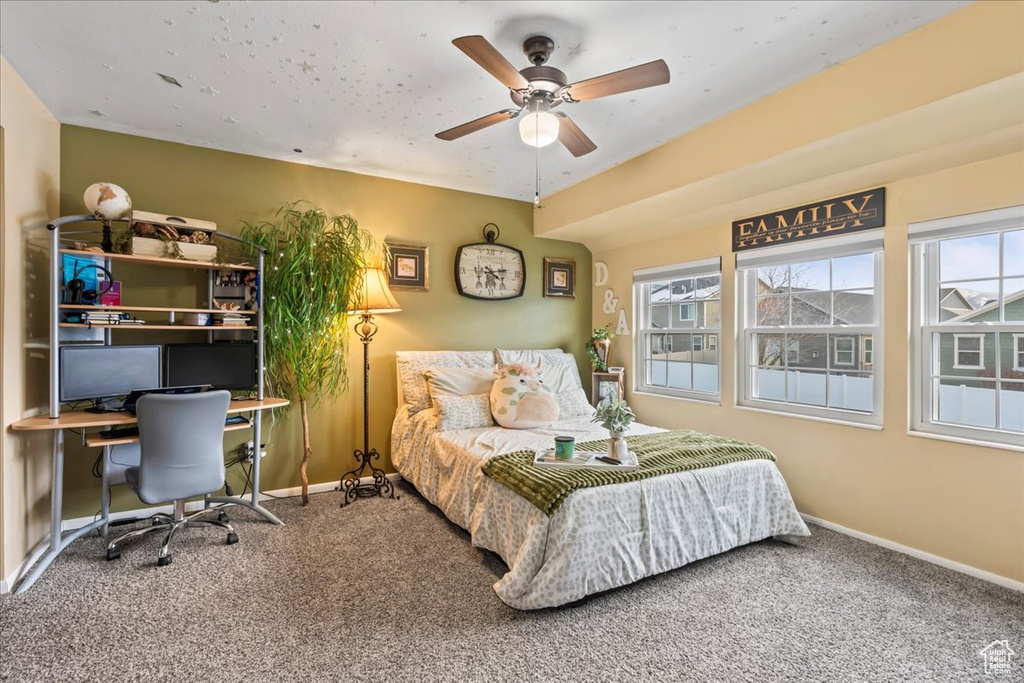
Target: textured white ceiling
x=363, y=86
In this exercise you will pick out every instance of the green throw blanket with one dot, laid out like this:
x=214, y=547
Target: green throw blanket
x=657, y=454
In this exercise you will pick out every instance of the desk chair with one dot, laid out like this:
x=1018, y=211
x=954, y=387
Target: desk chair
x=181, y=455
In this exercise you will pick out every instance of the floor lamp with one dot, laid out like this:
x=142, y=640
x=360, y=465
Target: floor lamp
x=371, y=297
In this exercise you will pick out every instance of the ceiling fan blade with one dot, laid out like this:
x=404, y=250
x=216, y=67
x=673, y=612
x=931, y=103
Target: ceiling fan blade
x=478, y=124
x=574, y=139
x=633, y=78
x=483, y=53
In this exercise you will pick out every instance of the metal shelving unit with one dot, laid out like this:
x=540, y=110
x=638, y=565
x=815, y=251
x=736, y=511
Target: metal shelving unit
x=56, y=327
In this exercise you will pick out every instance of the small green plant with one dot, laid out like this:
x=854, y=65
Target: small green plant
x=615, y=415
x=600, y=334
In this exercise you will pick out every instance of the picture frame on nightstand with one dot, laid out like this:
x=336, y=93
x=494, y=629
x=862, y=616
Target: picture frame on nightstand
x=607, y=385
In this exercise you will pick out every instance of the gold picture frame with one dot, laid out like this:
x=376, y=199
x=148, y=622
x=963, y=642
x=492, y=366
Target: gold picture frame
x=408, y=266
x=559, y=278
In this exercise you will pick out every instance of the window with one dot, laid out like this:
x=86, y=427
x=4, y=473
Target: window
x=843, y=350
x=968, y=326
x=969, y=351
x=679, y=311
x=820, y=302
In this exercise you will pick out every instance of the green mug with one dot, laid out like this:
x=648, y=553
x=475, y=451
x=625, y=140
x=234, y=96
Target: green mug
x=565, y=447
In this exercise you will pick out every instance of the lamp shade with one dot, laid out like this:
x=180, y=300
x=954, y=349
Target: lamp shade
x=538, y=128
x=371, y=294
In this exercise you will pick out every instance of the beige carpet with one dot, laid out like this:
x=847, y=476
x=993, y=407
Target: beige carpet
x=390, y=591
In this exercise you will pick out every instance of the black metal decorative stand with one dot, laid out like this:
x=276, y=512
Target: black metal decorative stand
x=350, y=481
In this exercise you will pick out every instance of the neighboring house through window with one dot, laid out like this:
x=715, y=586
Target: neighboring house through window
x=810, y=318
x=678, y=324
x=968, y=326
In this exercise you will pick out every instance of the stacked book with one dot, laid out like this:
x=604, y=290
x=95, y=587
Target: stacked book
x=229, y=319
x=102, y=318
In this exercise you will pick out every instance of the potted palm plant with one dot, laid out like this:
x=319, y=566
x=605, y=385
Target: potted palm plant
x=312, y=262
x=615, y=415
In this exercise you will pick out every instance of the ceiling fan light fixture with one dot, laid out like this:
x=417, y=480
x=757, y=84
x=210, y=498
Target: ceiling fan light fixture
x=538, y=128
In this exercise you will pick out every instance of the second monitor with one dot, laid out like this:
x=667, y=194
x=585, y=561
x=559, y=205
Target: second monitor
x=225, y=365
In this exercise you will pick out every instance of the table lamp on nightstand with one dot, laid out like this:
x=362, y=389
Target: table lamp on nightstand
x=371, y=297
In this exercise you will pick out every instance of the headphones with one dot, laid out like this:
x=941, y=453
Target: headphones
x=76, y=291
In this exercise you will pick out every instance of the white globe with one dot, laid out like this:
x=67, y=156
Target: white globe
x=107, y=201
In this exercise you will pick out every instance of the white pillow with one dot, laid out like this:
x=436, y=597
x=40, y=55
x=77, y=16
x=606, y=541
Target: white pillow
x=458, y=381
x=573, y=404
x=411, y=365
x=527, y=356
x=463, y=412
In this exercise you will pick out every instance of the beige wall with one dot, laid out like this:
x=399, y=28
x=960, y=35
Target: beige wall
x=230, y=188
x=964, y=503
x=31, y=174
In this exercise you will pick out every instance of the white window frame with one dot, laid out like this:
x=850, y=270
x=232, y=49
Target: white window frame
x=836, y=351
x=692, y=306
x=747, y=328
x=926, y=353
x=694, y=346
x=957, y=351
x=1018, y=352
x=713, y=343
x=711, y=267
x=867, y=351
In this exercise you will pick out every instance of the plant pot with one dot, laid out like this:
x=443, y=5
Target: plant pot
x=617, y=447
x=601, y=347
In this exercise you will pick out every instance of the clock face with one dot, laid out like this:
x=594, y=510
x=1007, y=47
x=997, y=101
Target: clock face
x=490, y=271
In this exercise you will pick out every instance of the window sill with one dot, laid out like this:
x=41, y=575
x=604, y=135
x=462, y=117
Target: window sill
x=710, y=401
x=813, y=418
x=966, y=441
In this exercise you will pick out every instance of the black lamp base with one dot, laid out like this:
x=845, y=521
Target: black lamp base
x=353, y=488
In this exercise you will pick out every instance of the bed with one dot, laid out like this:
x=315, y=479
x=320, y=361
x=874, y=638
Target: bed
x=600, y=538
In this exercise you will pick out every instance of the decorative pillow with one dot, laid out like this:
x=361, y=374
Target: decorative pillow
x=463, y=412
x=458, y=382
x=573, y=404
x=411, y=365
x=562, y=376
x=520, y=399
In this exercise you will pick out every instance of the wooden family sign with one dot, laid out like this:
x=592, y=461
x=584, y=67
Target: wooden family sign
x=852, y=213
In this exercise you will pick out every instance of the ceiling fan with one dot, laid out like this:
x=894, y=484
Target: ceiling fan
x=538, y=89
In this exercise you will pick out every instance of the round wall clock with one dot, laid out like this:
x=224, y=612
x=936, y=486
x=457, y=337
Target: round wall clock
x=488, y=270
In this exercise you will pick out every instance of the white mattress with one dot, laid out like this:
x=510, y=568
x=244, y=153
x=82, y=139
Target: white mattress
x=602, y=537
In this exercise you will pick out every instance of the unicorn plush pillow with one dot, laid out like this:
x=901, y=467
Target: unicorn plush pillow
x=520, y=399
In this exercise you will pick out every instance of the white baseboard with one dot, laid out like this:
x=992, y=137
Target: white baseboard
x=997, y=579
x=78, y=522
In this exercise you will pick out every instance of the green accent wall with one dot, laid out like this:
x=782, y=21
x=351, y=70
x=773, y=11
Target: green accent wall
x=229, y=188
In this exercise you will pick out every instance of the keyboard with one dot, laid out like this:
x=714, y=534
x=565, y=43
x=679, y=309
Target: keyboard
x=129, y=431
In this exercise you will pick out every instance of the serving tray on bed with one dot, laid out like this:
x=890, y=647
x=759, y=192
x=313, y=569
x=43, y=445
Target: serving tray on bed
x=584, y=460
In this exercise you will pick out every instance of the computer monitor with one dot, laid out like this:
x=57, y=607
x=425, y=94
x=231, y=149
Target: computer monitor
x=225, y=365
x=95, y=372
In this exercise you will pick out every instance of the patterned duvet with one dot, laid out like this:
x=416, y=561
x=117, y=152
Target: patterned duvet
x=600, y=538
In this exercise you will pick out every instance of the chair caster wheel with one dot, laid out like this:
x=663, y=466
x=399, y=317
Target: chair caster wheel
x=113, y=553
x=163, y=561
x=232, y=538
x=223, y=517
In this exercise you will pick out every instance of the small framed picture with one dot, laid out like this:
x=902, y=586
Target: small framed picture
x=560, y=278
x=606, y=386
x=409, y=266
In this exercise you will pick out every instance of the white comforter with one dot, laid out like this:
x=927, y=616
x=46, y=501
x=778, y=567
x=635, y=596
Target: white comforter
x=600, y=538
